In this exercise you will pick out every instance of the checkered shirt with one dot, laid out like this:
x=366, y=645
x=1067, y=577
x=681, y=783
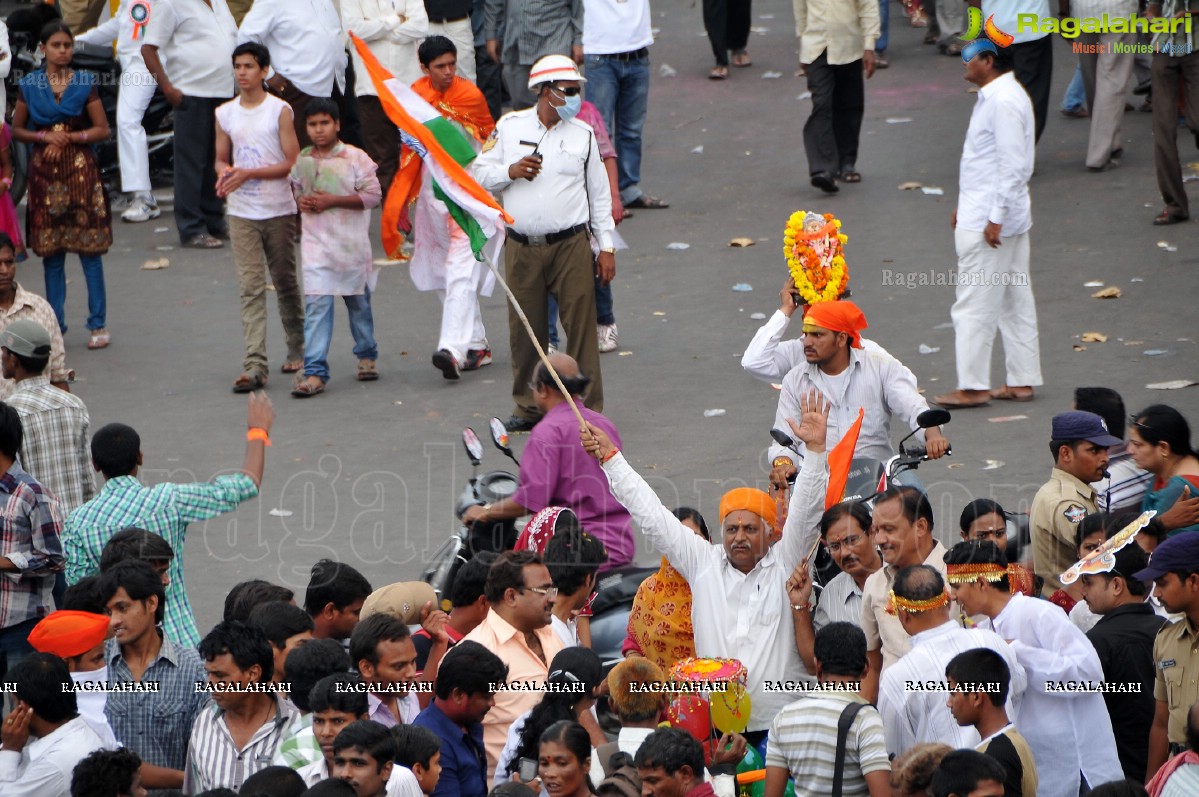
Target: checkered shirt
x=55, y=446
x=35, y=308
x=299, y=747
x=30, y=525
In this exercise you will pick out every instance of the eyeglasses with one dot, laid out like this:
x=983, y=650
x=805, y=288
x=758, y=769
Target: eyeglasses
x=568, y=91
x=847, y=543
x=1132, y=421
x=547, y=592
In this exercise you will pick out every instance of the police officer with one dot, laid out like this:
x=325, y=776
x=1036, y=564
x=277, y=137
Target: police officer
x=1079, y=442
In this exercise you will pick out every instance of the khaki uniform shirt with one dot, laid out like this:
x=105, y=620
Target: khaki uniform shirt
x=883, y=630
x=1058, y=508
x=1176, y=662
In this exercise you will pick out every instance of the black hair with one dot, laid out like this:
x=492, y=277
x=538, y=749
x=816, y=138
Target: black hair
x=470, y=667
x=1091, y=524
x=245, y=595
x=245, y=644
x=670, y=749
x=961, y=771
x=258, y=52
x=433, y=48
x=133, y=543
x=334, y=582
x=573, y=556
x=279, y=621
x=40, y=678
x=1119, y=788
x=415, y=745
x=574, y=738
x=52, y=27
x=841, y=650
x=331, y=788
x=979, y=552
x=976, y=509
x=322, y=105
x=339, y=692
x=684, y=513
x=1161, y=423
x=105, y=773
x=575, y=385
x=115, y=448
x=274, y=781
x=364, y=642
x=913, y=501
x=511, y=788
x=6, y=242
x=575, y=668
x=84, y=596
x=471, y=579
x=918, y=583
x=31, y=365
x=308, y=664
x=1055, y=446
x=981, y=666
x=218, y=792
x=1131, y=558
x=370, y=737
x=854, y=509
x=1104, y=402
x=12, y=433
x=508, y=572
x=138, y=579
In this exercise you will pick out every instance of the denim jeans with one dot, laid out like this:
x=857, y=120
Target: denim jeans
x=1076, y=96
x=55, y=270
x=884, y=19
x=603, y=310
x=318, y=331
x=620, y=91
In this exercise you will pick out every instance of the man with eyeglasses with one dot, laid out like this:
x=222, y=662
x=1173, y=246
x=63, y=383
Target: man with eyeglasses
x=517, y=629
x=545, y=165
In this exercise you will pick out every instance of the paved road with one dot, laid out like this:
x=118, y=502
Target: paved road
x=369, y=472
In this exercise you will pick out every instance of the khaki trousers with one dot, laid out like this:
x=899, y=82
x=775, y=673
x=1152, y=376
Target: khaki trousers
x=565, y=270
x=1105, y=79
x=81, y=15
x=259, y=245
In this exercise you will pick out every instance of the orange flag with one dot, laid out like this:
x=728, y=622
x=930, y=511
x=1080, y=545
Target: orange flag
x=839, y=461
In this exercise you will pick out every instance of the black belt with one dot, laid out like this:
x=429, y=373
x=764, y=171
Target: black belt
x=548, y=238
x=448, y=21
x=632, y=55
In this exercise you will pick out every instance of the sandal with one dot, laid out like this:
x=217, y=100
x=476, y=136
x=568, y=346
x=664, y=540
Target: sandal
x=248, y=383
x=741, y=59
x=850, y=174
x=962, y=399
x=292, y=366
x=367, y=372
x=1007, y=393
x=719, y=73
x=648, y=202
x=308, y=387
x=203, y=241
x=99, y=339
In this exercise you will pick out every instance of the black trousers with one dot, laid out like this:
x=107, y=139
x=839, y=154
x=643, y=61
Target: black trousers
x=727, y=23
x=490, y=81
x=1034, y=69
x=830, y=136
x=197, y=207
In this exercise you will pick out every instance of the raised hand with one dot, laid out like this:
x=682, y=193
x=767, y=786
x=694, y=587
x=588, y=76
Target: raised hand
x=813, y=421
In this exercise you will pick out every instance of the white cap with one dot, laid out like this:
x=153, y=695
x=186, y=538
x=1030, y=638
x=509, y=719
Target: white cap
x=551, y=68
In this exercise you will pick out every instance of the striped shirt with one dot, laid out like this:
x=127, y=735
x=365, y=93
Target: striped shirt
x=55, y=445
x=1183, y=782
x=215, y=762
x=840, y=602
x=35, y=308
x=164, y=509
x=299, y=747
x=1126, y=486
x=803, y=740
x=157, y=726
x=1179, y=41
x=769, y=358
x=533, y=28
x=30, y=525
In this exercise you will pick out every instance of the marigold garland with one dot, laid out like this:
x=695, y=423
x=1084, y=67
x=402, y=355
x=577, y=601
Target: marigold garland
x=814, y=256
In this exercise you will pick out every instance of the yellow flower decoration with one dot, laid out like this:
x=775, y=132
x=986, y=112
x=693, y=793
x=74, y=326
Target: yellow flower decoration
x=813, y=245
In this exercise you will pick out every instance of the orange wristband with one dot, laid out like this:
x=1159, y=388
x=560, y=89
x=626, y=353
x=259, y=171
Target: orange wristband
x=611, y=454
x=258, y=434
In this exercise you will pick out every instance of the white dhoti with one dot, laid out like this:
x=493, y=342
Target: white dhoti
x=994, y=291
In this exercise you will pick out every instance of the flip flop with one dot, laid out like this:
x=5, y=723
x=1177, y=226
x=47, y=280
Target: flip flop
x=1006, y=393
x=248, y=383
x=719, y=73
x=292, y=366
x=955, y=401
x=306, y=389
x=648, y=202
x=741, y=59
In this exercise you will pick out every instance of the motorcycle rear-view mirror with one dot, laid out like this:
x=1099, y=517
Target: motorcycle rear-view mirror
x=930, y=418
x=474, y=447
x=782, y=438
x=499, y=436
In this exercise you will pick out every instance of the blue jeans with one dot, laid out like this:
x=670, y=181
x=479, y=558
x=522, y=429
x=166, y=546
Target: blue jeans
x=620, y=91
x=884, y=19
x=318, y=331
x=603, y=310
x=56, y=288
x=1076, y=96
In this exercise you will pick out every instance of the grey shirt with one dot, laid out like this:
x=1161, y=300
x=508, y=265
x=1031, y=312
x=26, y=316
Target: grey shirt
x=534, y=28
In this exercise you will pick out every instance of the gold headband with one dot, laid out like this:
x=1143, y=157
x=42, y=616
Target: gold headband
x=897, y=603
x=969, y=573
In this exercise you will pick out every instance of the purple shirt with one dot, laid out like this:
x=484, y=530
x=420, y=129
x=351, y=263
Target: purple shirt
x=556, y=471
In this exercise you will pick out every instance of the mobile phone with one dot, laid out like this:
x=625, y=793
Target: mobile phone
x=527, y=770
x=798, y=299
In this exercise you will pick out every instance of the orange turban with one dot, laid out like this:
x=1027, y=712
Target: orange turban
x=68, y=633
x=750, y=500
x=842, y=316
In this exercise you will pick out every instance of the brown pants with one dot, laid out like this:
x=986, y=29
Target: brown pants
x=1168, y=72
x=381, y=139
x=298, y=101
x=81, y=15
x=565, y=270
x=239, y=9
x=259, y=245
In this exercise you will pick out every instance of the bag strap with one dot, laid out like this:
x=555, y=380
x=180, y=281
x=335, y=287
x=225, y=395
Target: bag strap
x=605, y=752
x=843, y=723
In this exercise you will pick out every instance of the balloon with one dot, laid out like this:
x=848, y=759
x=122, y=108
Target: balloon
x=691, y=713
x=730, y=709
x=789, y=791
x=752, y=761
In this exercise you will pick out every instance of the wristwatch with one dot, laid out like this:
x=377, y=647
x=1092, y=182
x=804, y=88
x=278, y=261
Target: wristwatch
x=779, y=462
x=608, y=250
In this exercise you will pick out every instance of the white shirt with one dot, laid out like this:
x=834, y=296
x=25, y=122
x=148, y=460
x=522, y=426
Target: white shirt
x=1067, y=732
x=305, y=39
x=744, y=616
x=912, y=716
x=629, y=741
x=881, y=384
x=1097, y=8
x=254, y=143
x=5, y=65
x=91, y=706
x=1125, y=487
x=567, y=632
x=1006, y=12
x=572, y=176
x=198, y=42
x=45, y=766
x=401, y=783
x=997, y=160
x=392, y=29
x=769, y=358
x=616, y=26
x=119, y=28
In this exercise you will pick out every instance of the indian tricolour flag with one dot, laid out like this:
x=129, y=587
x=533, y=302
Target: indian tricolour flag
x=444, y=150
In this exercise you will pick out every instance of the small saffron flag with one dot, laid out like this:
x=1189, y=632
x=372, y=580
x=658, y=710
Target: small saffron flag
x=839, y=461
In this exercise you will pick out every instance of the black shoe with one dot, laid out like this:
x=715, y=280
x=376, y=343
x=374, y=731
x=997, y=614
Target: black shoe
x=1142, y=89
x=519, y=424
x=826, y=182
x=447, y=363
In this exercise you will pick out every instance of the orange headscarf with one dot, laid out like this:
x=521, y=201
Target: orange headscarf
x=750, y=500
x=842, y=316
x=68, y=633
